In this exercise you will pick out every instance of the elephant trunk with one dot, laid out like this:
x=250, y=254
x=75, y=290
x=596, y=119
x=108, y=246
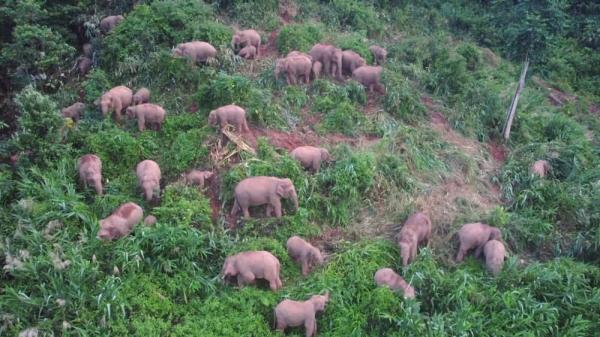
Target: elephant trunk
x=98, y=186
x=295, y=199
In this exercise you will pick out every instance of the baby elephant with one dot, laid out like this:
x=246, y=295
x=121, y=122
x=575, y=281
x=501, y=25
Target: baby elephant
x=141, y=96
x=475, y=235
x=304, y=253
x=388, y=277
x=148, y=174
x=248, y=52
x=83, y=64
x=73, y=111
x=256, y=191
x=147, y=114
x=120, y=223
x=416, y=229
x=540, y=168
x=310, y=157
x=197, y=177
x=249, y=266
x=229, y=114
x=370, y=77
x=316, y=69
x=379, y=54
x=494, y=256
x=290, y=313
x=150, y=220
x=90, y=171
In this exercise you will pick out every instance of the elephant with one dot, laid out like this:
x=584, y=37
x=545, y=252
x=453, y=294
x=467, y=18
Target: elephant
x=249, y=266
x=310, y=157
x=120, y=223
x=379, y=54
x=289, y=313
x=540, y=168
x=229, y=114
x=147, y=114
x=330, y=57
x=198, y=51
x=116, y=99
x=150, y=220
x=148, y=174
x=304, y=253
x=73, y=111
x=388, y=277
x=316, y=69
x=87, y=50
x=370, y=77
x=248, y=52
x=243, y=38
x=197, y=177
x=90, y=171
x=298, y=53
x=475, y=235
x=295, y=67
x=261, y=190
x=416, y=230
x=110, y=22
x=83, y=64
x=141, y=96
x=494, y=253
x=350, y=61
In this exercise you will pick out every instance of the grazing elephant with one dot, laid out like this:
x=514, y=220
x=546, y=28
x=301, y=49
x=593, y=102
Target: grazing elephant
x=73, y=111
x=370, y=77
x=494, y=256
x=198, y=51
x=475, y=235
x=150, y=220
x=416, y=230
x=120, y=223
x=310, y=157
x=83, y=64
x=540, y=168
x=141, y=96
x=330, y=57
x=379, y=54
x=388, y=277
x=229, y=114
x=256, y=191
x=90, y=171
x=248, y=52
x=116, y=99
x=148, y=174
x=147, y=114
x=304, y=253
x=290, y=313
x=243, y=38
x=350, y=61
x=295, y=67
x=197, y=177
x=316, y=69
x=110, y=22
x=249, y=266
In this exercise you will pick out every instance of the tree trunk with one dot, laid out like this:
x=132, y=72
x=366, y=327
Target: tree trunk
x=512, y=109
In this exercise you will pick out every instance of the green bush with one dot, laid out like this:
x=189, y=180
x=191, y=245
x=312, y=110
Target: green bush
x=357, y=43
x=354, y=15
x=298, y=37
x=183, y=206
x=95, y=85
x=401, y=99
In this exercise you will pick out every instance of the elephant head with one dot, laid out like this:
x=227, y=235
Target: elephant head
x=316, y=257
x=405, y=248
x=495, y=234
x=336, y=59
x=106, y=103
x=229, y=268
x=130, y=112
x=280, y=66
x=179, y=50
x=235, y=41
x=285, y=189
x=212, y=118
x=325, y=155
x=319, y=301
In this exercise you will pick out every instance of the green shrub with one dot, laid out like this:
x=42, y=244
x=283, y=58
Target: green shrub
x=95, y=85
x=261, y=14
x=354, y=15
x=357, y=43
x=298, y=37
x=116, y=143
x=184, y=206
x=401, y=99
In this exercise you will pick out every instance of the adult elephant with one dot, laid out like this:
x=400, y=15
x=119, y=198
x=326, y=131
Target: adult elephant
x=244, y=38
x=261, y=190
x=295, y=68
x=329, y=56
x=350, y=61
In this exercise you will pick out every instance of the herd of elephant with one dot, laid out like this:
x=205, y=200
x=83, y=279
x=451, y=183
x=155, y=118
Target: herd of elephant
x=246, y=267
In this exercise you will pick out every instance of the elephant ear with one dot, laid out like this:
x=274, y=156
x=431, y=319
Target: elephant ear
x=280, y=189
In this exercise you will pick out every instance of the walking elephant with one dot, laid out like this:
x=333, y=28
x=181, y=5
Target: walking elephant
x=256, y=191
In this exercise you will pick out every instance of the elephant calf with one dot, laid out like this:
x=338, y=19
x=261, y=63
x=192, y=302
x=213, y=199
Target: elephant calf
x=416, y=230
x=151, y=114
x=150, y=220
x=148, y=174
x=379, y=54
x=248, y=52
x=540, y=168
x=494, y=256
x=249, y=266
x=90, y=171
x=316, y=69
x=256, y=191
x=229, y=114
x=116, y=100
x=388, y=277
x=197, y=177
x=370, y=77
x=110, y=22
x=83, y=64
x=73, y=111
x=120, y=223
x=198, y=51
x=475, y=235
x=350, y=61
x=290, y=313
x=141, y=96
x=310, y=157
x=304, y=253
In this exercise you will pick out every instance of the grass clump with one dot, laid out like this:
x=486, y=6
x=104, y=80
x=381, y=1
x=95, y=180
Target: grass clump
x=298, y=37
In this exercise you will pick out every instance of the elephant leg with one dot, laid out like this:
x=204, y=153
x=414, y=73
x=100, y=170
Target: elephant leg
x=478, y=251
x=310, y=325
x=246, y=212
x=269, y=211
x=305, y=268
x=316, y=165
x=247, y=278
x=245, y=125
x=273, y=284
x=118, y=108
x=276, y=204
x=281, y=325
x=462, y=250
x=289, y=79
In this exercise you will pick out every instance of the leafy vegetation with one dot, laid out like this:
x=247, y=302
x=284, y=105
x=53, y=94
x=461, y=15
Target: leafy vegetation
x=431, y=142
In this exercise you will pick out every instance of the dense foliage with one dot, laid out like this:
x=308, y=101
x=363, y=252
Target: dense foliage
x=429, y=142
